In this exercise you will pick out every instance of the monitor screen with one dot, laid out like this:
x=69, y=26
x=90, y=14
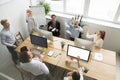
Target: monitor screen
x=74, y=51
x=45, y=34
x=39, y=41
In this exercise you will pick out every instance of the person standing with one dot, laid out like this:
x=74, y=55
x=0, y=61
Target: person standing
x=8, y=39
x=31, y=22
x=54, y=26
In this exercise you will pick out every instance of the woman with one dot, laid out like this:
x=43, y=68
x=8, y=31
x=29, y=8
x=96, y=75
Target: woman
x=97, y=38
x=75, y=75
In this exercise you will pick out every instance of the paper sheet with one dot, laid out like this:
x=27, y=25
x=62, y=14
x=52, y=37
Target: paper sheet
x=98, y=56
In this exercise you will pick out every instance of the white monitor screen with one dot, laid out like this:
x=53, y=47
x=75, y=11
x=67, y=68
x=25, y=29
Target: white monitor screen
x=74, y=51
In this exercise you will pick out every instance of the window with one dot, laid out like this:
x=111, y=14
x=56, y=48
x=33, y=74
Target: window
x=119, y=19
x=103, y=9
x=107, y=10
x=56, y=5
x=75, y=6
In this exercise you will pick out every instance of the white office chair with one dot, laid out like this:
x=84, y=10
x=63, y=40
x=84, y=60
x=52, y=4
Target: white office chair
x=89, y=45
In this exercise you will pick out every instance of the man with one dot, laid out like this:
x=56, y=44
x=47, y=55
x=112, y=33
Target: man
x=31, y=22
x=75, y=75
x=33, y=64
x=54, y=26
x=75, y=29
x=8, y=39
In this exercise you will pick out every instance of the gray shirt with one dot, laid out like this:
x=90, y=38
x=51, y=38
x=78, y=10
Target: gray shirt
x=7, y=37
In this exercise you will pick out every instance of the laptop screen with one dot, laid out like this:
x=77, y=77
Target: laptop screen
x=39, y=41
x=74, y=51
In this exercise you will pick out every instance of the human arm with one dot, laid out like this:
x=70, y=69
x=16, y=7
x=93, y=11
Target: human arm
x=88, y=35
x=57, y=26
x=80, y=29
x=3, y=41
x=49, y=27
x=44, y=68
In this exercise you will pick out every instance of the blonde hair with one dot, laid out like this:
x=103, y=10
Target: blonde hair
x=3, y=21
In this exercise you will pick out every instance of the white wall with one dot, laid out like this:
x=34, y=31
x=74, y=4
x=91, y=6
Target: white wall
x=14, y=11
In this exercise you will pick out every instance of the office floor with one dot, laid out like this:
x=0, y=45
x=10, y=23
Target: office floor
x=9, y=69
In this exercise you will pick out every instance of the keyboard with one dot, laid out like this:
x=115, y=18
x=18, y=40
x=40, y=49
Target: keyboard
x=35, y=51
x=74, y=65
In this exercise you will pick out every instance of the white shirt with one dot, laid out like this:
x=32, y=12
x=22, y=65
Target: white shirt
x=98, y=42
x=7, y=37
x=31, y=23
x=35, y=67
x=80, y=72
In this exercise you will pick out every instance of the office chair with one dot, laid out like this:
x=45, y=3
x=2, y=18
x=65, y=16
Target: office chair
x=83, y=43
x=5, y=77
x=19, y=38
x=24, y=74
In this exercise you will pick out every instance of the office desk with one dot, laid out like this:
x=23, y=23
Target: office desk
x=100, y=70
x=97, y=70
x=109, y=57
x=46, y=58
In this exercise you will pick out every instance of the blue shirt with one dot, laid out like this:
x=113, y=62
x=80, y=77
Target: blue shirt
x=75, y=30
x=7, y=37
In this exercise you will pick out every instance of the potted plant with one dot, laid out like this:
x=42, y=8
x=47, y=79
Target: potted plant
x=46, y=6
x=62, y=44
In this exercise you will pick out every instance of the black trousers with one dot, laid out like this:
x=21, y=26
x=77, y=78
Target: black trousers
x=13, y=53
x=44, y=77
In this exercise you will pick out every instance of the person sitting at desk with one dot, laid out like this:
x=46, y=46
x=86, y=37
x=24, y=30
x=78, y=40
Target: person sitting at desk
x=97, y=38
x=76, y=75
x=33, y=64
x=75, y=29
x=54, y=26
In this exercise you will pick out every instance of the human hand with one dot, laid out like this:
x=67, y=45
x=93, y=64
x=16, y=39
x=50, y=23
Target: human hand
x=50, y=27
x=76, y=29
x=57, y=30
x=14, y=46
x=78, y=58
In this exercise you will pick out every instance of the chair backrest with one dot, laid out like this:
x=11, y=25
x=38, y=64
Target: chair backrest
x=19, y=38
x=89, y=45
x=24, y=73
x=5, y=77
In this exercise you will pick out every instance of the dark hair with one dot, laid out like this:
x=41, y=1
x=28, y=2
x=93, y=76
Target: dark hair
x=53, y=15
x=24, y=57
x=75, y=76
x=102, y=34
x=24, y=48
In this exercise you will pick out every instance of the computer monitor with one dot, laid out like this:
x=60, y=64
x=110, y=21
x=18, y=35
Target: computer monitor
x=83, y=43
x=74, y=51
x=45, y=34
x=39, y=41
